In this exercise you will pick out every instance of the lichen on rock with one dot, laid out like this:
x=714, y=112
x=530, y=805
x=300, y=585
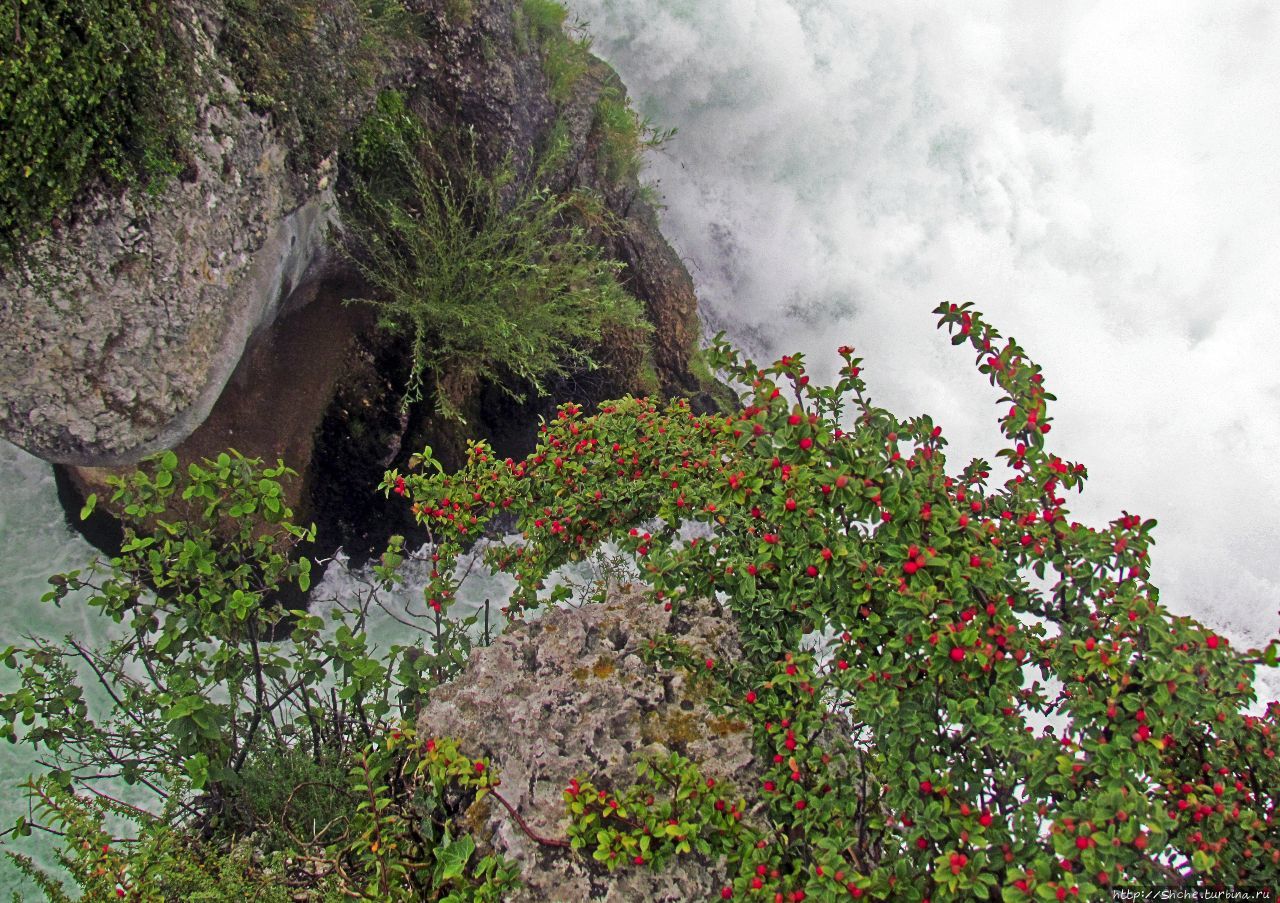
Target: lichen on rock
x=573, y=694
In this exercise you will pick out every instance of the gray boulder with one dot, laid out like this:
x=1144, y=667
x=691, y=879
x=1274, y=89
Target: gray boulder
x=571, y=694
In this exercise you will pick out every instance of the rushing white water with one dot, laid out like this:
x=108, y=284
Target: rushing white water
x=1098, y=178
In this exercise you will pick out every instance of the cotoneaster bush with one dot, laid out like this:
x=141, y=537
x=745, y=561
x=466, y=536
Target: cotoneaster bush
x=957, y=691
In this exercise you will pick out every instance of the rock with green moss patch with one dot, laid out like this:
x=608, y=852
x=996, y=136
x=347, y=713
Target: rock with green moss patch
x=571, y=695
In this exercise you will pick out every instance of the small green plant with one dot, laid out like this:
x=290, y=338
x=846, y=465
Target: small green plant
x=311, y=63
x=625, y=135
x=458, y=12
x=492, y=277
x=88, y=88
x=671, y=810
x=407, y=847
x=565, y=58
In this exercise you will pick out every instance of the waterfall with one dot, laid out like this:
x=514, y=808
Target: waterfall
x=1098, y=179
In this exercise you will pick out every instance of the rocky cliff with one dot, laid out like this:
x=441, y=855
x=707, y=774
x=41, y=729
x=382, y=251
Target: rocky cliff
x=210, y=314
x=118, y=332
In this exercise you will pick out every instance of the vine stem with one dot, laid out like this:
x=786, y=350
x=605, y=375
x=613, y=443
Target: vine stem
x=524, y=826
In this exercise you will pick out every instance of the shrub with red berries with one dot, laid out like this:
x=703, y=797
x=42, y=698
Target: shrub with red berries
x=958, y=691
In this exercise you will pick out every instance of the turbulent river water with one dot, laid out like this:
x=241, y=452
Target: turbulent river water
x=1097, y=177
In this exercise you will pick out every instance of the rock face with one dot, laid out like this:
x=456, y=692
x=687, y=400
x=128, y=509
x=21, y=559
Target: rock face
x=200, y=319
x=569, y=695
x=118, y=334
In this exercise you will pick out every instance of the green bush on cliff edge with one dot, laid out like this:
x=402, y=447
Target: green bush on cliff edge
x=492, y=275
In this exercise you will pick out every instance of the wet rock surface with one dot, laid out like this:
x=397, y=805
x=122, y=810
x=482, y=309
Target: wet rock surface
x=571, y=694
x=203, y=312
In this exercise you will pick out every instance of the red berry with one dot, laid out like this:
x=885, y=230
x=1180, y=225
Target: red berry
x=957, y=654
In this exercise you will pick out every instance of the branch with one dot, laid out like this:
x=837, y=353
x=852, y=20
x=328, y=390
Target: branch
x=524, y=826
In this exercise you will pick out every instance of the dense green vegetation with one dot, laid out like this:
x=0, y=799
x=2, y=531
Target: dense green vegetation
x=241, y=720
x=491, y=275
x=956, y=691
x=88, y=88
x=540, y=24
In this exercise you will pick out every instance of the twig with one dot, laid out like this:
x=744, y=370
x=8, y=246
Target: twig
x=529, y=832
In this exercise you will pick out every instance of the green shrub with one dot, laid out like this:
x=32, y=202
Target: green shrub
x=161, y=864
x=87, y=88
x=624, y=136
x=492, y=277
x=957, y=692
x=264, y=740
x=565, y=58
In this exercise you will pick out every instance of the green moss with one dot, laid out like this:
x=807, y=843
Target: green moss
x=458, y=12
x=308, y=62
x=88, y=88
x=727, y=727
x=673, y=728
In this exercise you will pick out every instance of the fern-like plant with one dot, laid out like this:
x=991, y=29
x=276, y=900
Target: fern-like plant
x=492, y=276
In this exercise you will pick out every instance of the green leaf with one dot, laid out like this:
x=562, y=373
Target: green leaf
x=451, y=860
x=89, y=504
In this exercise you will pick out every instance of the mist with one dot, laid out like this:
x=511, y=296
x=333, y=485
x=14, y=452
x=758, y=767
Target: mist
x=1100, y=179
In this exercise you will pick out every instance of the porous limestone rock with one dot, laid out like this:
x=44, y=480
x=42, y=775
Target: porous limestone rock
x=118, y=332
x=571, y=694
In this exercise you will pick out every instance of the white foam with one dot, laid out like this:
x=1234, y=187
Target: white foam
x=1098, y=178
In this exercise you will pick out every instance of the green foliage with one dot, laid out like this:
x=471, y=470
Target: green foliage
x=288, y=800
x=459, y=12
x=408, y=850
x=87, y=88
x=673, y=810
x=565, y=58
x=194, y=597
x=625, y=135
x=311, y=63
x=955, y=691
x=158, y=865
x=233, y=714
x=492, y=277
x=958, y=692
